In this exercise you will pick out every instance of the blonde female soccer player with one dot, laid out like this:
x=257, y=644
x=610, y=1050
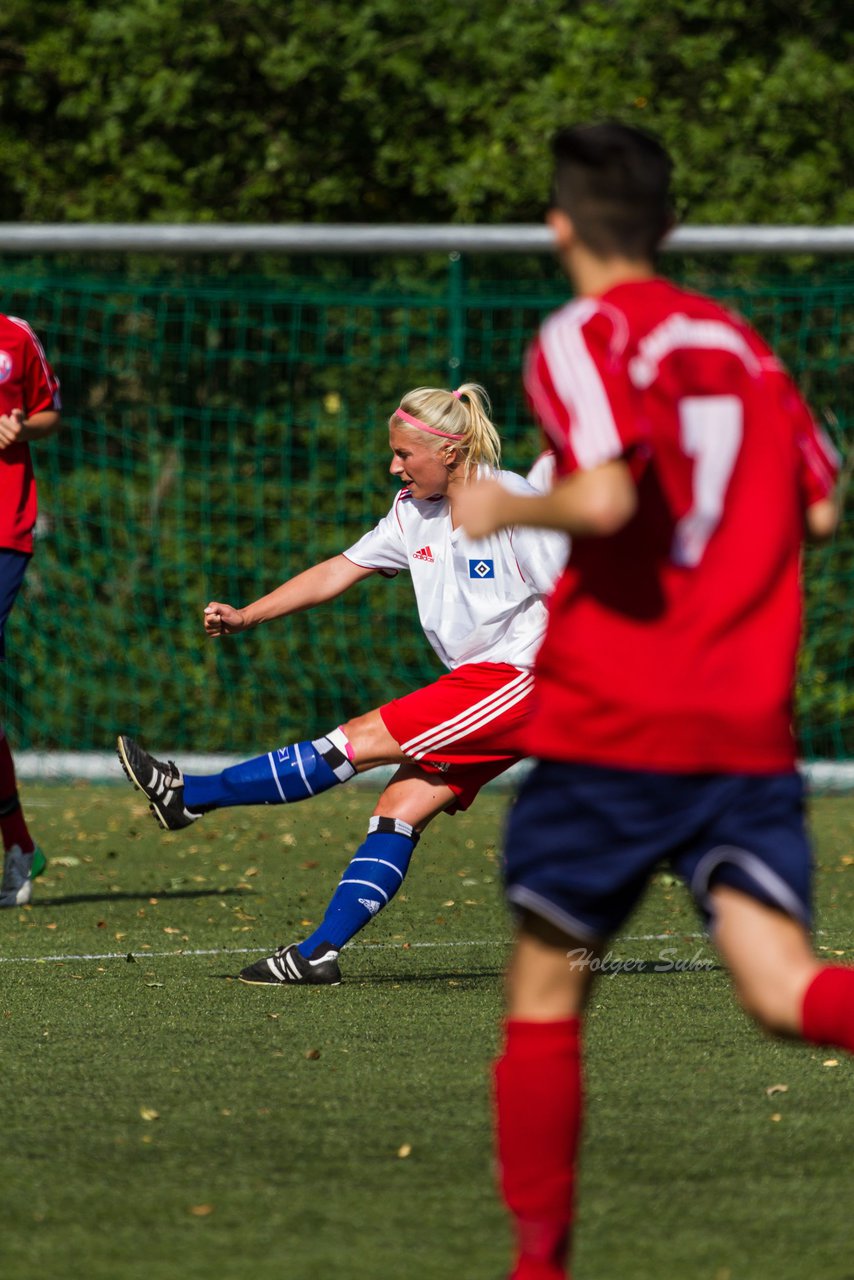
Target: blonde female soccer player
x=482, y=606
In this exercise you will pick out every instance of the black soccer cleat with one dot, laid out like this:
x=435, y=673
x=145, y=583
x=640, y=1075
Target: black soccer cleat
x=287, y=966
x=163, y=784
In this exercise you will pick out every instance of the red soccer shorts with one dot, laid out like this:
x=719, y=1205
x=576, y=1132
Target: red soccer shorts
x=468, y=726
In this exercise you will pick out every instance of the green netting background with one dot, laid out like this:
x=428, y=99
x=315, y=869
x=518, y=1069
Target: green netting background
x=225, y=426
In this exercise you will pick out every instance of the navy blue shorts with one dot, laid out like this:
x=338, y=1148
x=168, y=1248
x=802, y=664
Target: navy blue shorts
x=13, y=566
x=583, y=841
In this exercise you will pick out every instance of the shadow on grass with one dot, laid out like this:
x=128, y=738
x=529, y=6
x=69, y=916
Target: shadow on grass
x=470, y=978
x=163, y=895
x=639, y=968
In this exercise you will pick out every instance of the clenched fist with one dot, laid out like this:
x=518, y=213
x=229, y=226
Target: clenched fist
x=223, y=619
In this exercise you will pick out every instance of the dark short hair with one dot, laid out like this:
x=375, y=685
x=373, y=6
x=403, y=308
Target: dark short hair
x=613, y=181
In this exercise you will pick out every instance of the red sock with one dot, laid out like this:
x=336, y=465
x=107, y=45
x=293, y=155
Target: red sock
x=12, y=824
x=828, y=1013
x=538, y=1099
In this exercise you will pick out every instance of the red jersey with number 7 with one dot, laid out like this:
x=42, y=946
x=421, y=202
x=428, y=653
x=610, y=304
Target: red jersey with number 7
x=672, y=645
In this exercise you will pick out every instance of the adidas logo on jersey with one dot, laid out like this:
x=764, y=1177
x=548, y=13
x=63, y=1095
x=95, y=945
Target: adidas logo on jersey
x=370, y=905
x=424, y=554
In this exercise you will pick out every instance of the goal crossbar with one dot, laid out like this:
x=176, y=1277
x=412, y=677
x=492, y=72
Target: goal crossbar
x=205, y=238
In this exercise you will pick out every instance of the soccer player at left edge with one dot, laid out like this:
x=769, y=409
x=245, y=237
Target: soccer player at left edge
x=29, y=411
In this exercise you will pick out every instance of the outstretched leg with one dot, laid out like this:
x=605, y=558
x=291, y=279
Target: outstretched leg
x=777, y=977
x=281, y=776
x=376, y=871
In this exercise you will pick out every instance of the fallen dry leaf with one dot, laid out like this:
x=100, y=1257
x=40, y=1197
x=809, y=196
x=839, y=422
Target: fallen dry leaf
x=148, y=1113
x=201, y=1210
x=312, y=1054
x=404, y=1151
x=830, y=1062
x=776, y=1088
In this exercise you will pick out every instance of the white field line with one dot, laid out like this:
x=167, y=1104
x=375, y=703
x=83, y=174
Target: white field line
x=366, y=946
x=180, y=953
x=351, y=946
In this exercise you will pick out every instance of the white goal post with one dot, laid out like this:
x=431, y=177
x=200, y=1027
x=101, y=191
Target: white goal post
x=195, y=238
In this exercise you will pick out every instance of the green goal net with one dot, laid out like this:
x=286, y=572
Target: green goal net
x=225, y=428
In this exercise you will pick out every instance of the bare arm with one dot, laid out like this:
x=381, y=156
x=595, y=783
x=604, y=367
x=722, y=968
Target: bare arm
x=593, y=503
x=314, y=586
x=14, y=427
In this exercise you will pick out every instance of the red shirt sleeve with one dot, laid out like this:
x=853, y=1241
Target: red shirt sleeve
x=578, y=387
x=818, y=461
x=40, y=383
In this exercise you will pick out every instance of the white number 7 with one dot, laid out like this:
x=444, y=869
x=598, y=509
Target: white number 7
x=710, y=430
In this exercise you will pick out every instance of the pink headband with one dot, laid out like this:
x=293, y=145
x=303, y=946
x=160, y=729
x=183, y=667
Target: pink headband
x=422, y=426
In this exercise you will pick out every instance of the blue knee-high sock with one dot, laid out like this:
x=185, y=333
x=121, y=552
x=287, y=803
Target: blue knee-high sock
x=282, y=776
x=369, y=883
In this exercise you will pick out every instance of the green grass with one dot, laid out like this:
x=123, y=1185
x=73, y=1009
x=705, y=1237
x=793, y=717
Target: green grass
x=284, y=1113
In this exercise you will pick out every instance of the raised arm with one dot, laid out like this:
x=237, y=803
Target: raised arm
x=314, y=586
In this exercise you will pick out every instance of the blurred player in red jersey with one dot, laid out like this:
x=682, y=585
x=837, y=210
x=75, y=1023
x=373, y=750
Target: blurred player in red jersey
x=688, y=471
x=29, y=410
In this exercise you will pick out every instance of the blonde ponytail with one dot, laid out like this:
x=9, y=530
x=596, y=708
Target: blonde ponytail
x=462, y=416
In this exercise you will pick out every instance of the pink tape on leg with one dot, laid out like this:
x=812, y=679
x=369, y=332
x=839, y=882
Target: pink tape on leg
x=344, y=742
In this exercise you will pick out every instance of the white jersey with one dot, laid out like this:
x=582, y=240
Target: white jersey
x=478, y=601
x=542, y=478
x=542, y=473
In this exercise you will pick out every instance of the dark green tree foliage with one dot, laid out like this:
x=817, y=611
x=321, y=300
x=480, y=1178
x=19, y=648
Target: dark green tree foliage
x=319, y=110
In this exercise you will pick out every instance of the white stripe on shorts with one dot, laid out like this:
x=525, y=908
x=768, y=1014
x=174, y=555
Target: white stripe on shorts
x=475, y=717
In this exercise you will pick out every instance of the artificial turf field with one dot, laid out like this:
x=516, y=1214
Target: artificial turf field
x=162, y=1120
